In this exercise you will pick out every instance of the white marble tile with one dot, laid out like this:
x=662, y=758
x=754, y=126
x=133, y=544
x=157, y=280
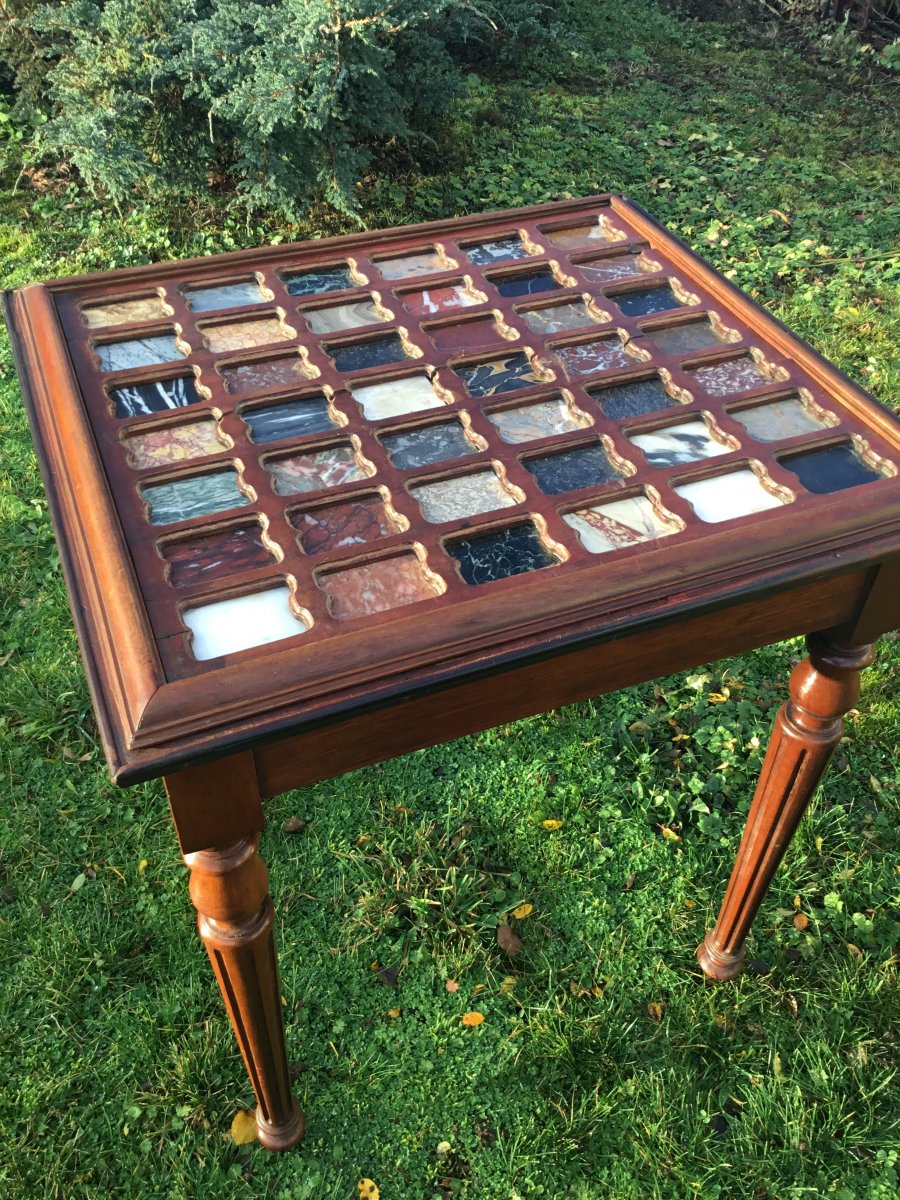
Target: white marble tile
x=412, y=394
x=138, y=352
x=603, y=527
x=725, y=497
x=224, y=295
x=226, y=626
x=685, y=442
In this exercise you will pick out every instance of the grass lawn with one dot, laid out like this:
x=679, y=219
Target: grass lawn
x=605, y=1068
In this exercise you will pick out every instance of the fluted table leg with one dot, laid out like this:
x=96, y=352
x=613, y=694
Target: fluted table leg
x=808, y=727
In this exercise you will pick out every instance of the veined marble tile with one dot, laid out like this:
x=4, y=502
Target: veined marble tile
x=463, y=496
x=376, y=352
x=581, y=237
x=415, y=393
x=245, y=335
x=288, y=419
x=557, y=317
x=226, y=626
x=570, y=470
x=484, y=557
x=610, y=270
x=682, y=443
x=215, y=555
x=686, y=337
x=173, y=443
x=121, y=312
x=264, y=374
x=376, y=586
x=430, y=444
x=502, y=250
x=657, y=298
x=407, y=266
x=338, y=317
x=725, y=497
x=532, y=421
x=193, y=496
x=318, y=281
x=499, y=375
x=604, y=354
x=620, y=523
x=347, y=523
x=470, y=334
x=316, y=469
x=778, y=420
x=141, y=399
x=829, y=469
x=730, y=378
x=634, y=399
x=439, y=299
x=138, y=352
x=224, y=295
x=527, y=283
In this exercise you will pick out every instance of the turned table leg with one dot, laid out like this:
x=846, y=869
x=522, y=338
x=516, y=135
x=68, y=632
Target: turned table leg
x=808, y=727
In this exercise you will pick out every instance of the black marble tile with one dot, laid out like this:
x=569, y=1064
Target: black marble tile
x=431, y=444
x=500, y=553
x=569, y=470
x=831, y=469
x=502, y=250
x=634, y=399
x=377, y=352
x=292, y=419
x=314, y=283
x=499, y=375
x=138, y=399
x=647, y=300
x=529, y=283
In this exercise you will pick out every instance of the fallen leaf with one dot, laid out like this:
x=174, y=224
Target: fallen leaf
x=443, y=1149
x=777, y=1065
x=640, y=727
x=791, y=1002
x=776, y=212
x=798, y=902
x=801, y=921
x=718, y=697
x=243, y=1127
x=393, y=1013
x=523, y=910
x=294, y=825
x=629, y=882
x=552, y=824
x=77, y=882
x=669, y=834
x=508, y=941
x=142, y=866
x=451, y=985
x=508, y=984
x=368, y=1190
x=855, y=951
x=471, y=1019
x=655, y=1010
x=388, y=976
x=819, y=844
x=690, y=903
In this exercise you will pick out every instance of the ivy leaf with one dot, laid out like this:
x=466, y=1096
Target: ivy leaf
x=243, y=1127
x=472, y=1019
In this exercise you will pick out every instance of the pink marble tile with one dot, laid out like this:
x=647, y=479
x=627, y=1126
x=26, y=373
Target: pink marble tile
x=376, y=586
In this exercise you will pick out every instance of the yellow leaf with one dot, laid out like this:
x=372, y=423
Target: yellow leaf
x=142, y=866
x=368, y=1189
x=375, y=966
x=243, y=1127
x=655, y=1010
x=552, y=824
x=718, y=697
x=508, y=984
x=393, y=1012
x=669, y=834
x=522, y=911
x=690, y=903
x=472, y=1019
x=855, y=951
x=798, y=902
x=819, y=844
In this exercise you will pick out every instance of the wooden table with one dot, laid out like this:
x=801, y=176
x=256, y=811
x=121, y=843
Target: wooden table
x=323, y=504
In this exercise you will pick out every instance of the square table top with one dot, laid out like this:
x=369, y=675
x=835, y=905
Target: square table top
x=292, y=480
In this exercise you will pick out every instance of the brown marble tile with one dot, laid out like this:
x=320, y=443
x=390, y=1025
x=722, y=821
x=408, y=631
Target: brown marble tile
x=373, y=587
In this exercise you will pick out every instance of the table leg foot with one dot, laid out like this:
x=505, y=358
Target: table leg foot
x=230, y=890
x=808, y=727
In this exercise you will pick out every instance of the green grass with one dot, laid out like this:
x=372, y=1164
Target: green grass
x=120, y=1077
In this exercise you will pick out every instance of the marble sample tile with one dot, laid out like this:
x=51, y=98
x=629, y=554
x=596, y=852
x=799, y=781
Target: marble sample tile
x=682, y=443
x=264, y=374
x=289, y=419
x=500, y=553
x=141, y=399
x=829, y=469
x=245, y=335
x=609, y=270
x=462, y=496
x=376, y=586
x=121, y=312
x=429, y=444
x=226, y=626
x=316, y=469
x=440, y=299
x=338, y=317
x=526, y=283
x=215, y=555
x=502, y=250
x=558, y=317
x=499, y=375
x=725, y=497
x=193, y=496
x=584, y=236
x=415, y=393
x=532, y=421
x=139, y=352
x=224, y=295
x=407, y=266
x=376, y=352
x=173, y=443
x=620, y=523
x=647, y=300
x=570, y=470
x=604, y=354
x=687, y=337
x=319, y=281
x=466, y=335
x=778, y=420
x=730, y=378
x=347, y=523
x=634, y=399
